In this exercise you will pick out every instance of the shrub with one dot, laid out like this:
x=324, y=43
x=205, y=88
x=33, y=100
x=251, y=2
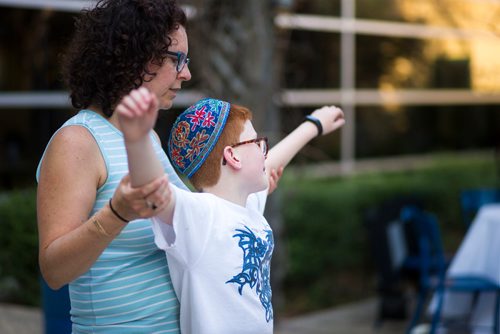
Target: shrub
x=329, y=259
x=19, y=252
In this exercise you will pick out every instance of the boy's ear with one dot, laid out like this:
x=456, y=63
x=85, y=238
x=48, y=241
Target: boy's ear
x=230, y=157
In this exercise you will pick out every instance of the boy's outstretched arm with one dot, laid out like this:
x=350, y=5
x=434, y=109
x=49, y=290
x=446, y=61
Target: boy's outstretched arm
x=137, y=113
x=330, y=117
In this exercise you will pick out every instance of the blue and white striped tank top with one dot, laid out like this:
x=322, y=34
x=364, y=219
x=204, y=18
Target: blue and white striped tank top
x=128, y=289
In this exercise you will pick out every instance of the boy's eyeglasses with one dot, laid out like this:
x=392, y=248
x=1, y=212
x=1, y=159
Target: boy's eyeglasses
x=261, y=142
x=182, y=60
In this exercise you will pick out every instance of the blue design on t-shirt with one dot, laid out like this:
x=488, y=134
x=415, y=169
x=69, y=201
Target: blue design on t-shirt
x=256, y=266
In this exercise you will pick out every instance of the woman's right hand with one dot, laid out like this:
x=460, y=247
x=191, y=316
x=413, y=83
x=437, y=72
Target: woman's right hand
x=141, y=202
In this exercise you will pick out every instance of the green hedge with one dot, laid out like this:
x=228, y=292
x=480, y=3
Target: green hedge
x=328, y=259
x=19, y=248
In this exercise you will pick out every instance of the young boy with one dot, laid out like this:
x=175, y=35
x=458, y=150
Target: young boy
x=217, y=242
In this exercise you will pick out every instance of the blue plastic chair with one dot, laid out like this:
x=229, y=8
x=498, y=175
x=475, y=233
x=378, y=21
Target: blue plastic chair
x=390, y=249
x=56, y=309
x=471, y=201
x=432, y=267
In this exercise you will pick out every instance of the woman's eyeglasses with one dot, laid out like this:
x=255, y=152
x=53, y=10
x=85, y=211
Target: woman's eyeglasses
x=182, y=60
x=262, y=142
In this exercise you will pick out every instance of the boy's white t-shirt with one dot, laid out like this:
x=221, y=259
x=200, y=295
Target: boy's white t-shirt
x=219, y=256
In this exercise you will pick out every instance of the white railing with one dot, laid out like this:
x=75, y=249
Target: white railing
x=60, y=99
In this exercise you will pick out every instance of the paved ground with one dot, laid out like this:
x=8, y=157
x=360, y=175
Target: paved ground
x=20, y=320
x=355, y=318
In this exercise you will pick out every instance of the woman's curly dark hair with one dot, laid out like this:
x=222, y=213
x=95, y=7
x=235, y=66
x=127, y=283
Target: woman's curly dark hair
x=112, y=46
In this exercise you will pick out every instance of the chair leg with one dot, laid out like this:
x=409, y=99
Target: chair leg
x=436, y=315
x=496, y=315
x=418, y=310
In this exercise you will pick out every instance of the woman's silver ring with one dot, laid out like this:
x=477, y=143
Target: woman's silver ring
x=150, y=205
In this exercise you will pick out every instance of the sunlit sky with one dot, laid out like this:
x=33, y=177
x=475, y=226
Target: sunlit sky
x=477, y=15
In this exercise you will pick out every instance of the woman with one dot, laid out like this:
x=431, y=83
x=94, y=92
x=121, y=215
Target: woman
x=92, y=231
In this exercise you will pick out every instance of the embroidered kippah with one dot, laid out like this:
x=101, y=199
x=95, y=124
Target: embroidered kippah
x=195, y=133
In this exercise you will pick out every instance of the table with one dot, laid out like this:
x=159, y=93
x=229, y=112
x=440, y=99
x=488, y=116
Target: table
x=478, y=254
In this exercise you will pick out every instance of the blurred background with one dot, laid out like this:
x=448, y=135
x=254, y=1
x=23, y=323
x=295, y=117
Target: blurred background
x=419, y=82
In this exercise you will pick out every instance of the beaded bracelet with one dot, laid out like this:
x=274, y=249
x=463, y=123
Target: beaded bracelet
x=316, y=122
x=116, y=213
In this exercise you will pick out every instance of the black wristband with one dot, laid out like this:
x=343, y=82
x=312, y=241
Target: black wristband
x=316, y=122
x=116, y=213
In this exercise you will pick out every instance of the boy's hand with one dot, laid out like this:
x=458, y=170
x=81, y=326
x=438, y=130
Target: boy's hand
x=331, y=118
x=137, y=113
x=274, y=177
